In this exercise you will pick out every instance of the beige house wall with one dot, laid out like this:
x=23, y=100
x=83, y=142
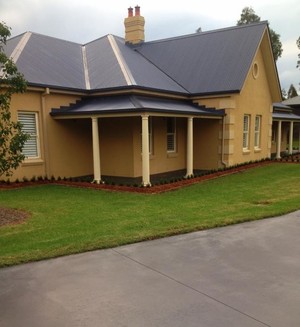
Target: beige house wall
x=207, y=143
x=160, y=160
x=254, y=99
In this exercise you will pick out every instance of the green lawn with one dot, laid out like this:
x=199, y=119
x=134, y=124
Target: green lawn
x=68, y=220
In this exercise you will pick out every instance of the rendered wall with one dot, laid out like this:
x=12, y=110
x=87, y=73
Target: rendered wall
x=160, y=160
x=116, y=146
x=207, y=141
x=254, y=99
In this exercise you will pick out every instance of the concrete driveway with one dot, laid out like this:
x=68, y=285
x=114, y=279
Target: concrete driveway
x=246, y=275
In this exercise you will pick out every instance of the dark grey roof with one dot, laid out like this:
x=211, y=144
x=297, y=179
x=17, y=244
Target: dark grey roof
x=52, y=62
x=280, y=105
x=201, y=63
x=103, y=68
x=12, y=44
x=131, y=103
x=295, y=101
x=285, y=116
x=208, y=62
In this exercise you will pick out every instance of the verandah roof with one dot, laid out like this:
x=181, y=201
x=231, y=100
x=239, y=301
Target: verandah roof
x=134, y=104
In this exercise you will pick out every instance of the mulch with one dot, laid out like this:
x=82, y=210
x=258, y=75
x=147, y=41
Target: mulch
x=9, y=216
x=14, y=216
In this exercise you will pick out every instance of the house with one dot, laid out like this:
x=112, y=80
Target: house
x=124, y=107
x=286, y=127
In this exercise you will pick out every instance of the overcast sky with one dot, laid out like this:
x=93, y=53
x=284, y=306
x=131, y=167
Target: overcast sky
x=85, y=20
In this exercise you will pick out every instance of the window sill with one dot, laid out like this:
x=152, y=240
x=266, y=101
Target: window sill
x=32, y=162
x=172, y=154
x=246, y=151
x=256, y=150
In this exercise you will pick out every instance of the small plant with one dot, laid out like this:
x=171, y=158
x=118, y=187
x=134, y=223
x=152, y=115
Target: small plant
x=25, y=179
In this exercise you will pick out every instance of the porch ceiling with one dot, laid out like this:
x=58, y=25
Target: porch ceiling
x=133, y=104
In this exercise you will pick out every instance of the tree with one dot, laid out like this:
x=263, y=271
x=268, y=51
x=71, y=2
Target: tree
x=298, y=45
x=248, y=16
x=292, y=92
x=12, y=138
x=284, y=94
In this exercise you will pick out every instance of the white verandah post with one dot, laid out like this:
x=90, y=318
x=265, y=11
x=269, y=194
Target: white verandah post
x=145, y=151
x=96, y=151
x=189, y=154
x=291, y=137
x=278, y=142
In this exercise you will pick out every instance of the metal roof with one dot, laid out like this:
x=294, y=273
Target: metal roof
x=285, y=116
x=201, y=63
x=295, y=101
x=132, y=103
x=208, y=62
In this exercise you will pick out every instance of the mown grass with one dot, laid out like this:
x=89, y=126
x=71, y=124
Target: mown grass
x=67, y=220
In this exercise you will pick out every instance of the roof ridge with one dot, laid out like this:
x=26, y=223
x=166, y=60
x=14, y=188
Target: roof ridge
x=20, y=46
x=85, y=68
x=224, y=29
x=54, y=37
x=121, y=61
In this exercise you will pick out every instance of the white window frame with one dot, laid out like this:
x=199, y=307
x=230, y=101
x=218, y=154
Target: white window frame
x=246, y=132
x=257, y=130
x=33, y=135
x=171, y=135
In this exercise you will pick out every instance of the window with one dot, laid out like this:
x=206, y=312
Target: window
x=246, y=132
x=257, y=132
x=29, y=126
x=171, y=134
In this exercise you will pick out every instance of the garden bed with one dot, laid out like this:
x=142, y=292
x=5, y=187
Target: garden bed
x=158, y=187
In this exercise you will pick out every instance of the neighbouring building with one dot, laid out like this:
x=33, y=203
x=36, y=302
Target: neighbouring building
x=286, y=127
x=127, y=108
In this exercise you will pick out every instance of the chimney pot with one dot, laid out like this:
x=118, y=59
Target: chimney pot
x=130, y=12
x=137, y=10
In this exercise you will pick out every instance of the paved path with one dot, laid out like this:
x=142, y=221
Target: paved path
x=246, y=275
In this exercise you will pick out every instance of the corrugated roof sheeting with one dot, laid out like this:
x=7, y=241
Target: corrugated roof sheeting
x=12, y=44
x=207, y=62
x=285, y=116
x=292, y=101
x=53, y=62
x=103, y=67
x=127, y=103
x=200, y=63
x=144, y=72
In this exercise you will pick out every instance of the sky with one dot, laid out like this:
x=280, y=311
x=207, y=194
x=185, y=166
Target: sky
x=82, y=21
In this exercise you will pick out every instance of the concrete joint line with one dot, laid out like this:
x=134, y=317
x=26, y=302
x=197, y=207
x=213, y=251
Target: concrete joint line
x=190, y=287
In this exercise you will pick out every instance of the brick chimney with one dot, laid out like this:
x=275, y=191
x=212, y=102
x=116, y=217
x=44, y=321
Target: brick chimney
x=134, y=26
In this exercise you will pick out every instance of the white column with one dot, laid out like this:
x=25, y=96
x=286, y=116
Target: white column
x=278, y=142
x=96, y=151
x=291, y=137
x=145, y=151
x=189, y=154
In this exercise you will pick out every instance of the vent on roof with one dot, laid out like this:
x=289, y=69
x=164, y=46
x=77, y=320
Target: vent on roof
x=134, y=26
